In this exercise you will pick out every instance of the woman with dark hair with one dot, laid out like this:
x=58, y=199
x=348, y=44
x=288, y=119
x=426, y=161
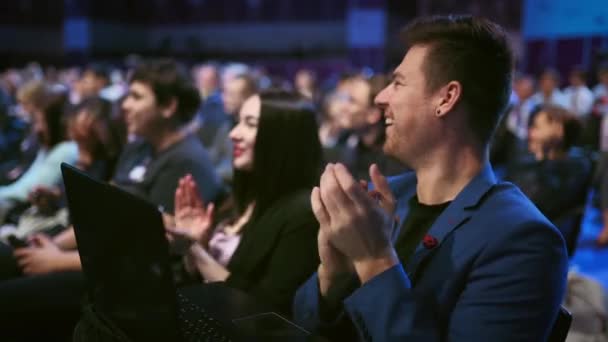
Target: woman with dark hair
x=98, y=141
x=49, y=126
x=91, y=128
x=267, y=248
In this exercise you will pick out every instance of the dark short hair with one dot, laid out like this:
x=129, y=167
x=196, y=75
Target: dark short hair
x=102, y=139
x=473, y=51
x=168, y=81
x=287, y=152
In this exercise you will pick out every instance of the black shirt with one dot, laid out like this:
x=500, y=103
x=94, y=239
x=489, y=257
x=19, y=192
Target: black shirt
x=418, y=222
x=157, y=176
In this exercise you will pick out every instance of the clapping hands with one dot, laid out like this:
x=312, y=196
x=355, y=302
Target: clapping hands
x=193, y=220
x=355, y=226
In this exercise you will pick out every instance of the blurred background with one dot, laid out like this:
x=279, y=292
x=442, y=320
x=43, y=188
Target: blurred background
x=64, y=76
x=284, y=35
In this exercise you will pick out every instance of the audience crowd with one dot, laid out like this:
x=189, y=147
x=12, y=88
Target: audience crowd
x=231, y=154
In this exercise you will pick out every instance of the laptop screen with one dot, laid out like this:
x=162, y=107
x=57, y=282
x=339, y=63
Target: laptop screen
x=124, y=256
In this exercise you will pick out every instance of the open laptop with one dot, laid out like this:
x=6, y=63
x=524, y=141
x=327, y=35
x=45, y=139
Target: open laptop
x=124, y=256
x=125, y=260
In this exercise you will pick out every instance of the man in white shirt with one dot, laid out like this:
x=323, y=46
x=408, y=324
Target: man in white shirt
x=579, y=96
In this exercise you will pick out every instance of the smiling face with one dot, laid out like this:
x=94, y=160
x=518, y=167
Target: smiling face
x=408, y=110
x=243, y=135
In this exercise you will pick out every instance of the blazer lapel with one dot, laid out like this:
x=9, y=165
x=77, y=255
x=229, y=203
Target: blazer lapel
x=403, y=187
x=459, y=211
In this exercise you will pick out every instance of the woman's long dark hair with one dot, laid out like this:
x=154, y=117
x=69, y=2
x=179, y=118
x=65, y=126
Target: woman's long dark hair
x=53, y=114
x=287, y=153
x=102, y=139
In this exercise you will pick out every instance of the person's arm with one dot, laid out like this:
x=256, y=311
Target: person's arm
x=45, y=171
x=69, y=261
x=46, y=257
x=351, y=258
x=323, y=314
x=20, y=188
x=513, y=293
x=210, y=269
x=66, y=239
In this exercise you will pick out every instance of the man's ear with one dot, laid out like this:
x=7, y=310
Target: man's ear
x=169, y=110
x=448, y=97
x=373, y=116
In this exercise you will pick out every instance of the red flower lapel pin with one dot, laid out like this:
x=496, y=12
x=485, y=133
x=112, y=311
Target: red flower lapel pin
x=429, y=241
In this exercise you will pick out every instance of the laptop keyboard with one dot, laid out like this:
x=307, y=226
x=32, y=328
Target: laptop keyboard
x=196, y=325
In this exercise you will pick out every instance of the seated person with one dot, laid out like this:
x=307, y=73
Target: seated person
x=360, y=145
x=445, y=253
x=90, y=127
x=47, y=123
x=556, y=179
x=29, y=97
x=212, y=124
x=267, y=246
x=160, y=102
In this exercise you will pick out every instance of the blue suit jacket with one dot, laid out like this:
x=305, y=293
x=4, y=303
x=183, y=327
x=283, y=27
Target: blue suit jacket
x=497, y=273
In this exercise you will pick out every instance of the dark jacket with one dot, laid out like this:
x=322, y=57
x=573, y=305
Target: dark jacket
x=277, y=253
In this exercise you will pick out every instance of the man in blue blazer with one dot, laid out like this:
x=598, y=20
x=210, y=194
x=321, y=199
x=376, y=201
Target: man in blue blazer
x=446, y=252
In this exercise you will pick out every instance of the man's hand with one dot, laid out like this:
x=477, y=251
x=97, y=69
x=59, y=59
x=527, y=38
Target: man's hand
x=358, y=226
x=192, y=218
x=333, y=262
x=43, y=257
